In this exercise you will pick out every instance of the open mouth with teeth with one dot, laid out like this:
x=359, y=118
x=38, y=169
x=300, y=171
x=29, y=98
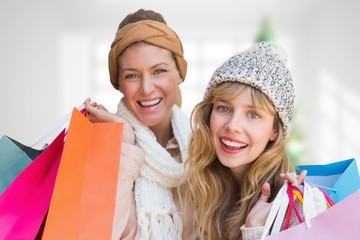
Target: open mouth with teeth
x=233, y=145
x=151, y=103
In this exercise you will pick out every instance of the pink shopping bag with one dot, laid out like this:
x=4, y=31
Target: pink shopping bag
x=24, y=204
x=341, y=221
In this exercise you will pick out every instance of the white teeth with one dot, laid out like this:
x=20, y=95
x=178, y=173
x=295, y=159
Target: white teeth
x=232, y=144
x=150, y=103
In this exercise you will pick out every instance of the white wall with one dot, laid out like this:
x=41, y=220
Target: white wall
x=53, y=55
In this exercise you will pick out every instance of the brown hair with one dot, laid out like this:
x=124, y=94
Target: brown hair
x=141, y=15
x=177, y=51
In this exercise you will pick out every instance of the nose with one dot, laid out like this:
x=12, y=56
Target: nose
x=147, y=85
x=234, y=124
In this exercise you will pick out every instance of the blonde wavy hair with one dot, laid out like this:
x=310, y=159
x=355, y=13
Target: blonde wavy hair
x=220, y=203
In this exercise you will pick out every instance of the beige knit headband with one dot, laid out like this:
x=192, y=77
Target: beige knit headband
x=153, y=32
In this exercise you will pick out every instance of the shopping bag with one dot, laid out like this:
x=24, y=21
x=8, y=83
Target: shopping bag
x=83, y=201
x=14, y=158
x=24, y=203
x=338, y=222
x=338, y=179
x=283, y=207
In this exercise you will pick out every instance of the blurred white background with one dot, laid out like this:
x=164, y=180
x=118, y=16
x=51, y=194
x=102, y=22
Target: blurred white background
x=53, y=55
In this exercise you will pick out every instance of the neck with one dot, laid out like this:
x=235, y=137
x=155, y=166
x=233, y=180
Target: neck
x=163, y=133
x=239, y=172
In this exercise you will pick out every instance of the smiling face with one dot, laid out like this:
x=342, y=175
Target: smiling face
x=149, y=80
x=240, y=130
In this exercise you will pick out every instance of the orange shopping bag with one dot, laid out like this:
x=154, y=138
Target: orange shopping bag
x=83, y=201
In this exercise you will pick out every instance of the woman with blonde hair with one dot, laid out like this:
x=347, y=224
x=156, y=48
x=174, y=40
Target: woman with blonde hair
x=237, y=161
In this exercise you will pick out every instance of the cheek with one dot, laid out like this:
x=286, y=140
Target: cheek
x=127, y=89
x=212, y=129
x=170, y=84
x=262, y=136
x=170, y=88
x=122, y=86
x=214, y=124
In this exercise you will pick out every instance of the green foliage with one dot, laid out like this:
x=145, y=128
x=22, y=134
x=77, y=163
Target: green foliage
x=265, y=31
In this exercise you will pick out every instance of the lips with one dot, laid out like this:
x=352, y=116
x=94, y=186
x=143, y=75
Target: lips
x=231, y=144
x=149, y=103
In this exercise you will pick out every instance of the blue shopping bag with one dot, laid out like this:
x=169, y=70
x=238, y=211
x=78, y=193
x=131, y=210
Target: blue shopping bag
x=14, y=158
x=339, y=179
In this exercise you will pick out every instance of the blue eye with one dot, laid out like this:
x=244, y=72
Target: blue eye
x=223, y=109
x=253, y=115
x=159, y=71
x=131, y=76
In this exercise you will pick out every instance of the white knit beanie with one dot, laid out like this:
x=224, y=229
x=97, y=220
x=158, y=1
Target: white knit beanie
x=263, y=66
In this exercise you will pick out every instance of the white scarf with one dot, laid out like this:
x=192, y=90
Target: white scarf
x=158, y=217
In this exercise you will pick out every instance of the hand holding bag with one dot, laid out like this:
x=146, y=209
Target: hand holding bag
x=284, y=204
x=338, y=222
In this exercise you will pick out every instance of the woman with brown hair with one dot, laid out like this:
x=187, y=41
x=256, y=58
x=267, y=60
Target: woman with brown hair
x=147, y=65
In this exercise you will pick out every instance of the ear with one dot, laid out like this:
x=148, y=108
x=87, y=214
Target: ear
x=273, y=135
x=180, y=80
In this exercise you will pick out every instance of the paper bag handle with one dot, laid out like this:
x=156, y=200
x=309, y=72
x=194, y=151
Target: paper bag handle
x=281, y=199
x=280, y=204
x=309, y=209
x=61, y=123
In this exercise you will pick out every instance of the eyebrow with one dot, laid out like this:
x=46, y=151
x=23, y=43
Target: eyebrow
x=134, y=69
x=250, y=106
x=127, y=69
x=158, y=64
